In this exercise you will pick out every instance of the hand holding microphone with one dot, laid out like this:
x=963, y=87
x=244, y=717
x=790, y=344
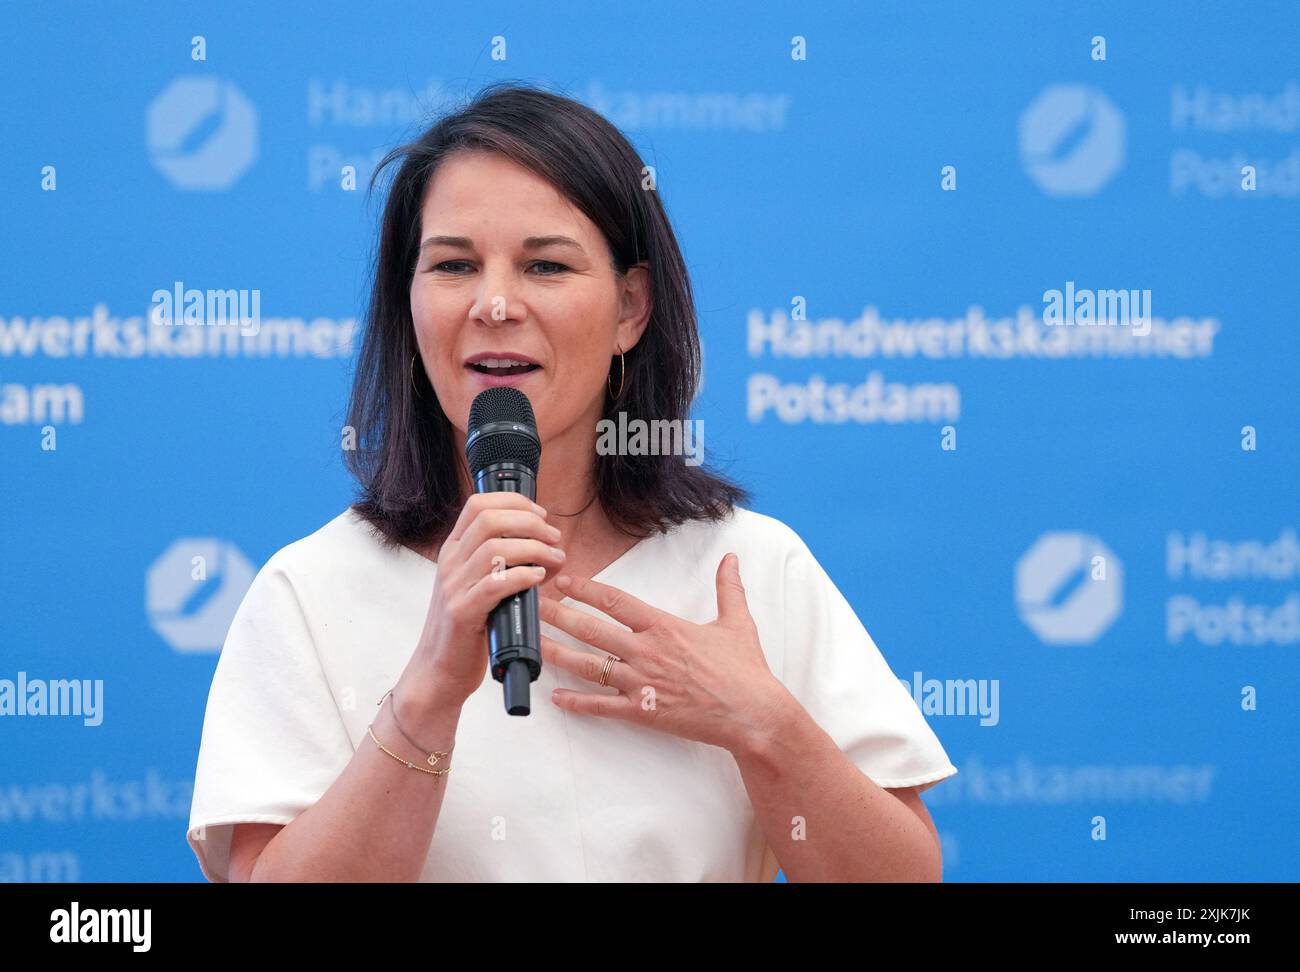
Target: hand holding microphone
x=484, y=604
x=493, y=530
x=503, y=450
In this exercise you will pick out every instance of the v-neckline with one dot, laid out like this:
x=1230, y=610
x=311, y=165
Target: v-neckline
x=616, y=562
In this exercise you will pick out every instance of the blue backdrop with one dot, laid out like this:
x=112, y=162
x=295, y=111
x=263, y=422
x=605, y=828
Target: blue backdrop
x=1094, y=523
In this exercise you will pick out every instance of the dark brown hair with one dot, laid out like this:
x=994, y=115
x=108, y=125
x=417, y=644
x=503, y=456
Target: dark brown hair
x=405, y=458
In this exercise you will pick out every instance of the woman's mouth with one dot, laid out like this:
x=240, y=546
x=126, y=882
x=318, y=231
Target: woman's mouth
x=501, y=371
x=502, y=365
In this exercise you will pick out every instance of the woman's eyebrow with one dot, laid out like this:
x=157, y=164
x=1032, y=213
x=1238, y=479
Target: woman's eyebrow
x=460, y=242
x=530, y=243
x=537, y=242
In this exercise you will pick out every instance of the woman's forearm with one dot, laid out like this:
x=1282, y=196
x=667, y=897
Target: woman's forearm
x=376, y=822
x=825, y=819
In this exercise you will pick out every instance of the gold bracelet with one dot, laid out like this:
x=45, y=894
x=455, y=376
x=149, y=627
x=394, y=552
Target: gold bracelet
x=433, y=757
x=405, y=735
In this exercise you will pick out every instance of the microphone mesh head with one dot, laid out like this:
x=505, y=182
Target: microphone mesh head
x=502, y=403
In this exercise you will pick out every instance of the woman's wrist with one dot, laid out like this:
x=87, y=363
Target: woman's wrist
x=774, y=718
x=429, y=719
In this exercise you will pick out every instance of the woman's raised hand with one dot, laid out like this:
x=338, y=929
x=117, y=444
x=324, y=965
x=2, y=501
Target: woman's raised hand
x=706, y=682
x=485, y=558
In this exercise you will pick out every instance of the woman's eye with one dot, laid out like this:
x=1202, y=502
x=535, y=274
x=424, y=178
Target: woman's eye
x=449, y=266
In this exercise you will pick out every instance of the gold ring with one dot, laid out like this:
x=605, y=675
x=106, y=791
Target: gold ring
x=610, y=661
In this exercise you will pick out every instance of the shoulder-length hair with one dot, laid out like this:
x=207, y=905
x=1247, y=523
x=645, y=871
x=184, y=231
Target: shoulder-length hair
x=405, y=455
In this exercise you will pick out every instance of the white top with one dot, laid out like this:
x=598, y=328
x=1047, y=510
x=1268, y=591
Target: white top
x=331, y=620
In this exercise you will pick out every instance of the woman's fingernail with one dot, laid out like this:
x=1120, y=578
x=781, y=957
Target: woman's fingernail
x=559, y=553
x=562, y=581
x=540, y=571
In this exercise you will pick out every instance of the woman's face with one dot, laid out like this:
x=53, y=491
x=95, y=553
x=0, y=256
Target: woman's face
x=493, y=283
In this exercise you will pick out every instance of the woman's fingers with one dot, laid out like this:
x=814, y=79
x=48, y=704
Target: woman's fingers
x=508, y=523
x=500, y=553
x=505, y=531
x=482, y=597
x=587, y=629
x=618, y=604
x=480, y=502
x=586, y=665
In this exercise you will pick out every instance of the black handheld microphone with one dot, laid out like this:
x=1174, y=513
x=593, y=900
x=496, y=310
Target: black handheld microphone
x=503, y=448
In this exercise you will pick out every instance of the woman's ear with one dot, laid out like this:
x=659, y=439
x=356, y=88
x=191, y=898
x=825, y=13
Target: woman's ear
x=636, y=305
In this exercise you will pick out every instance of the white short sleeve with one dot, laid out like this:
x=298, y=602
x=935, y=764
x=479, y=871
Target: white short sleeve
x=833, y=667
x=273, y=738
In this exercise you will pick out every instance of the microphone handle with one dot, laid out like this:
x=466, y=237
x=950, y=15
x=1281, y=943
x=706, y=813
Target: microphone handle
x=514, y=625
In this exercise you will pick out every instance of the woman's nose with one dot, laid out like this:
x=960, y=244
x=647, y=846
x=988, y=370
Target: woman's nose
x=495, y=302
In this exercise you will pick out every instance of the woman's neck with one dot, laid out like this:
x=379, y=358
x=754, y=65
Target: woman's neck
x=566, y=488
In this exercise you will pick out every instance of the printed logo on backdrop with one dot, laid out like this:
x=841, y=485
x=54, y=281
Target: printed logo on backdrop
x=1228, y=142
x=1072, y=140
x=201, y=133
x=1028, y=781
x=1025, y=334
x=1069, y=588
x=711, y=111
x=193, y=590
x=1249, y=613
x=341, y=104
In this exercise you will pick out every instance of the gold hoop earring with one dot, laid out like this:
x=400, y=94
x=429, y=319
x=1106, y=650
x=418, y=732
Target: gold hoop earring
x=414, y=383
x=622, y=373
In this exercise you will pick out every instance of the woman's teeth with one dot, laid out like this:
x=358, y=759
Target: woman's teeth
x=502, y=366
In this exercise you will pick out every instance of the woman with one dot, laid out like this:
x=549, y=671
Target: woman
x=709, y=707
